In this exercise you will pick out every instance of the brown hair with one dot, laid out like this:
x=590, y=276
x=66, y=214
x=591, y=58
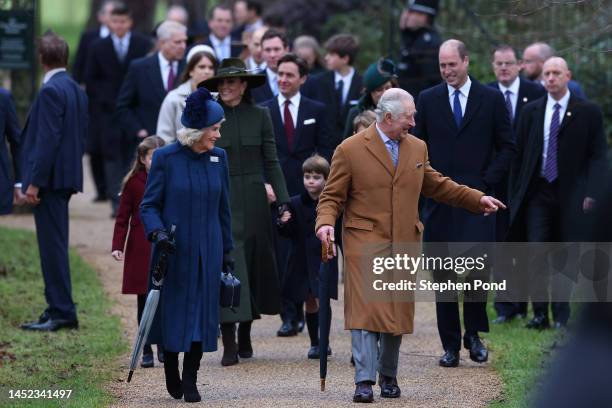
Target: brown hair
x=316, y=164
x=195, y=60
x=343, y=45
x=301, y=64
x=149, y=143
x=365, y=119
x=53, y=50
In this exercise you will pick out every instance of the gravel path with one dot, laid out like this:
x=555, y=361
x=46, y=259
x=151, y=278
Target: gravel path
x=279, y=374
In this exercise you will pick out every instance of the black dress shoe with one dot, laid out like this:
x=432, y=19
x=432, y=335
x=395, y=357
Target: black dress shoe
x=147, y=361
x=52, y=325
x=313, y=352
x=363, y=392
x=389, y=387
x=539, y=322
x=160, y=353
x=559, y=325
x=300, y=326
x=478, y=352
x=502, y=319
x=449, y=359
x=287, y=330
x=42, y=319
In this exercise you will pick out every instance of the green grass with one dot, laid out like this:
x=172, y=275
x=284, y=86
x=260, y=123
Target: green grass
x=81, y=360
x=520, y=355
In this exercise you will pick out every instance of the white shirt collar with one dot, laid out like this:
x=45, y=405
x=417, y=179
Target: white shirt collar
x=104, y=31
x=514, y=87
x=382, y=135
x=295, y=100
x=550, y=102
x=217, y=42
x=124, y=40
x=465, y=89
x=346, y=79
x=49, y=74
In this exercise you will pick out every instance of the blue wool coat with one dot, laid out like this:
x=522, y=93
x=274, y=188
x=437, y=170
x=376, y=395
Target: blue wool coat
x=191, y=191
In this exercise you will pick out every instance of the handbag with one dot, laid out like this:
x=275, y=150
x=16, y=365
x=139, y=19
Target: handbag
x=230, y=290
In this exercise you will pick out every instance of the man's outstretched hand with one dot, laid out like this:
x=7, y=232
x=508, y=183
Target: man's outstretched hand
x=490, y=205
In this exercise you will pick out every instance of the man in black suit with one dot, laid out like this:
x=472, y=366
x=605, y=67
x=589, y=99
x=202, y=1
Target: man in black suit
x=10, y=193
x=52, y=148
x=301, y=129
x=220, y=23
x=149, y=79
x=467, y=130
x=340, y=87
x=107, y=66
x=274, y=45
x=96, y=159
x=517, y=92
x=554, y=180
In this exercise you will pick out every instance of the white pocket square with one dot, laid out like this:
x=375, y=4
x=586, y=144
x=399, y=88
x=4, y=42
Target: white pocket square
x=354, y=102
x=214, y=159
x=310, y=121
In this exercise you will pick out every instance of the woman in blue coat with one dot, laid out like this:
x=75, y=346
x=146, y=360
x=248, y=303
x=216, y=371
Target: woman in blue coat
x=188, y=186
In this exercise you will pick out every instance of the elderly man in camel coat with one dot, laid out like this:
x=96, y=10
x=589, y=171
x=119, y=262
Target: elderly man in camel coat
x=376, y=179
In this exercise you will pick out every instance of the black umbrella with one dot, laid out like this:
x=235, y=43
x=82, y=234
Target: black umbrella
x=158, y=272
x=324, y=310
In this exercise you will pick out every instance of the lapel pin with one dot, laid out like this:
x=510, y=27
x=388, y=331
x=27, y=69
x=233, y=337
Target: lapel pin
x=525, y=99
x=569, y=113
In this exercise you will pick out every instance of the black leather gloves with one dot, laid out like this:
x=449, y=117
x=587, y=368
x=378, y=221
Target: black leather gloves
x=162, y=241
x=228, y=263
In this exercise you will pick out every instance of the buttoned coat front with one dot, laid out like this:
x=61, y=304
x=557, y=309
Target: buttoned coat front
x=380, y=206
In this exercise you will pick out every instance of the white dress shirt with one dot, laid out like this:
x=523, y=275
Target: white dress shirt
x=121, y=44
x=49, y=74
x=514, y=90
x=464, y=92
x=253, y=66
x=223, y=48
x=293, y=107
x=550, y=109
x=164, y=67
x=104, y=31
x=346, y=83
x=272, y=81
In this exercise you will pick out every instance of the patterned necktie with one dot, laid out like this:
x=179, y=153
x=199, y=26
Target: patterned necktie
x=550, y=168
x=170, y=82
x=120, y=50
x=457, y=108
x=289, y=127
x=340, y=93
x=509, y=105
x=392, y=147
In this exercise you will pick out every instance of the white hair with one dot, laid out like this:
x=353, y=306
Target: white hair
x=188, y=136
x=391, y=102
x=168, y=28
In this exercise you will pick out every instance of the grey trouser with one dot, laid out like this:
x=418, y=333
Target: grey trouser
x=369, y=359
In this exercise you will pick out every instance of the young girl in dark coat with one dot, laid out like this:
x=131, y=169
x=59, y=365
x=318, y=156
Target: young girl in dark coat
x=128, y=225
x=301, y=283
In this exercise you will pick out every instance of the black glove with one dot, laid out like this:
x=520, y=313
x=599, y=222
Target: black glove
x=162, y=241
x=282, y=208
x=228, y=263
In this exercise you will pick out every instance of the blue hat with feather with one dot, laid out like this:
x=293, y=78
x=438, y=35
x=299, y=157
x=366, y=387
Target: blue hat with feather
x=201, y=110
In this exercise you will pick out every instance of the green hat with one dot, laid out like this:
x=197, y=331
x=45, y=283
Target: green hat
x=379, y=73
x=233, y=68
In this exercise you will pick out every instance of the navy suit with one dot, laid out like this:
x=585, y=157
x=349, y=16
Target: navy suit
x=80, y=58
x=323, y=89
x=476, y=153
x=141, y=96
x=9, y=131
x=53, y=143
x=235, y=46
x=528, y=91
x=262, y=93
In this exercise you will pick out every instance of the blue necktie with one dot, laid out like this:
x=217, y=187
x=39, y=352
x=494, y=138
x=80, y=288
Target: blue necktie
x=340, y=93
x=509, y=105
x=550, y=167
x=457, y=108
x=392, y=148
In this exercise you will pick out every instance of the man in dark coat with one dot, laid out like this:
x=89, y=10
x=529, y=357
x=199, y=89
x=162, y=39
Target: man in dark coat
x=274, y=45
x=220, y=24
x=467, y=130
x=107, y=65
x=517, y=92
x=555, y=178
x=51, y=171
x=148, y=80
x=418, y=63
x=301, y=129
x=9, y=132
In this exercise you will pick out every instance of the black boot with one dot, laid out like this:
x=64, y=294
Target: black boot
x=245, y=349
x=230, y=348
x=191, y=365
x=173, y=381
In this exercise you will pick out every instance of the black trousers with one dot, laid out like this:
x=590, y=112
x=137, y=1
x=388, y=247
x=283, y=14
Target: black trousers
x=96, y=162
x=542, y=219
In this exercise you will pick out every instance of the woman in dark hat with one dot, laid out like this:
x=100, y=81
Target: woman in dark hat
x=379, y=77
x=188, y=186
x=248, y=138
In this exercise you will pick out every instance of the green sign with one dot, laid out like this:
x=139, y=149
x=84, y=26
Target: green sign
x=16, y=39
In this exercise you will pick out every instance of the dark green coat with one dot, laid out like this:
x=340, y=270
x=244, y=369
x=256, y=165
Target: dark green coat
x=248, y=138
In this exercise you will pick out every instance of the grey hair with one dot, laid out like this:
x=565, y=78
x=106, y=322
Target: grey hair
x=391, y=102
x=167, y=28
x=188, y=136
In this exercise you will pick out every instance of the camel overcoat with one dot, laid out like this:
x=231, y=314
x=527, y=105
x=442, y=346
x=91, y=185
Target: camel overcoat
x=380, y=205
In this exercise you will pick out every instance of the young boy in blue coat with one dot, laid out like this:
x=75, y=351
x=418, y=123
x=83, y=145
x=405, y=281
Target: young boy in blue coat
x=301, y=283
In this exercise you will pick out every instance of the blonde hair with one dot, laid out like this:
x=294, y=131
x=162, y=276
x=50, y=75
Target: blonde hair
x=188, y=136
x=149, y=143
x=365, y=119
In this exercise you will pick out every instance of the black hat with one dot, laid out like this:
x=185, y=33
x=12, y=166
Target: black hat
x=423, y=6
x=233, y=68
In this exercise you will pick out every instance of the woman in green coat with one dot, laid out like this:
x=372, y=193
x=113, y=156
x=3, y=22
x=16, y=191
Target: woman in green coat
x=248, y=138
